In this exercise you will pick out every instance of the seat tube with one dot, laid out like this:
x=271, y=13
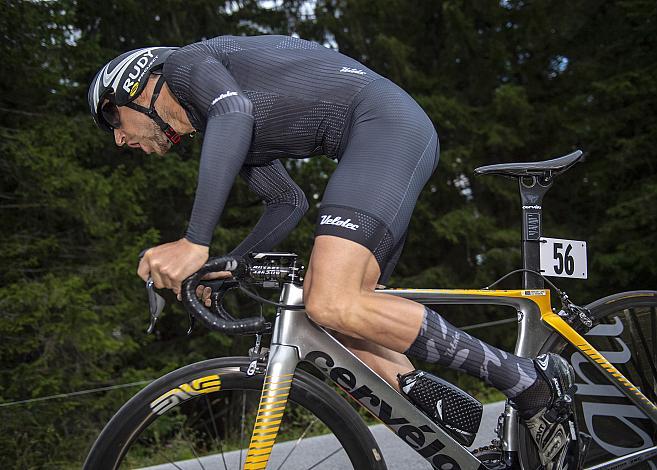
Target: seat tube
x=532, y=190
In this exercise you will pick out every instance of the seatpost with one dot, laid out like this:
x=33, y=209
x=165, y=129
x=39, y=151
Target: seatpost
x=532, y=190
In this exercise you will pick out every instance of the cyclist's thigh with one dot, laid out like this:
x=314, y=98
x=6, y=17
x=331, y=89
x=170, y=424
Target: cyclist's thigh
x=391, y=152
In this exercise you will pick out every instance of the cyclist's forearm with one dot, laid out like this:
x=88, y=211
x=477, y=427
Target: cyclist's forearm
x=226, y=143
x=274, y=225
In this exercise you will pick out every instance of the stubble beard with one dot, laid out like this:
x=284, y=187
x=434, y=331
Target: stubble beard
x=160, y=141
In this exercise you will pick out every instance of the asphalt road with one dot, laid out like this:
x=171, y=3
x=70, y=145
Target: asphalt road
x=397, y=454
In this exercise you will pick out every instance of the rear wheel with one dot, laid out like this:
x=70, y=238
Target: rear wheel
x=201, y=416
x=627, y=336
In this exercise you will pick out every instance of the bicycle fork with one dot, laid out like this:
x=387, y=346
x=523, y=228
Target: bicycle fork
x=282, y=362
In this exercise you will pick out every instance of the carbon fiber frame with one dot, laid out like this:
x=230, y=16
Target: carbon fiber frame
x=296, y=338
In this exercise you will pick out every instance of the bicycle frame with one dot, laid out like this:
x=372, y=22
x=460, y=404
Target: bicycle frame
x=296, y=338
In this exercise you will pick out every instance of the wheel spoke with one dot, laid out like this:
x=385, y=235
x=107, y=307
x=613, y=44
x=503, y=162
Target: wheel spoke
x=169, y=460
x=326, y=458
x=296, y=444
x=217, y=440
x=242, y=423
x=636, y=354
x=191, y=447
x=653, y=330
x=646, y=349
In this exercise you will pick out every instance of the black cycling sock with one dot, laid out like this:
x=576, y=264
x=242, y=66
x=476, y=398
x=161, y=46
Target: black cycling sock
x=533, y=399
x=440, y=342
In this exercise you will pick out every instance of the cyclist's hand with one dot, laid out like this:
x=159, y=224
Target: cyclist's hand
x=204, y=292
x=170, y=264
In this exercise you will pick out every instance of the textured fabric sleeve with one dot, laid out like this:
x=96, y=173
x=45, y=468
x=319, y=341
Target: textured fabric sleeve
x=285, y=205
x=226, y=142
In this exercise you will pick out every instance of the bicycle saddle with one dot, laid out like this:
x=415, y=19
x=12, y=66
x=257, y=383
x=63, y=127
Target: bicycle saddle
x=555, y=166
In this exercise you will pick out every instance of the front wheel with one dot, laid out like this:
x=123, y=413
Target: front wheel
x=203, y=414
x=627, y=336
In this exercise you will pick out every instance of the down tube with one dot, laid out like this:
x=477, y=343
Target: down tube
x=368, y=388
x=319, y=348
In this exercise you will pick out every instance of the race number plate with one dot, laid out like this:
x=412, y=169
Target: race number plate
x=563, y=258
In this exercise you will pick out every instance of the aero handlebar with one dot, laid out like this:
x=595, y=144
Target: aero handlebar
x=217, y=318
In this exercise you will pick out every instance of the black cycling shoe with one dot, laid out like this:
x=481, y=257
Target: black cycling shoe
x=554, y=427
x=448, y=406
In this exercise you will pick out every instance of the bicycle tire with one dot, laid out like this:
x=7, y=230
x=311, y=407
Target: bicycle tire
x=133, y=420
x=626, y=320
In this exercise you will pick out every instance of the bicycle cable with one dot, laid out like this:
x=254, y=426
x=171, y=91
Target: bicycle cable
x=257, y=298
x=260, y=299
x=559, y=291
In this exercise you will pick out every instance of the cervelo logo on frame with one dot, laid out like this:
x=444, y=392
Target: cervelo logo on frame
x=352, y=70
x=223, y=95
x=421, y=438
x=327, y=220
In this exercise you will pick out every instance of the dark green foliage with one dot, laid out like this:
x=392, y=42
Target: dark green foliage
x=502, y=81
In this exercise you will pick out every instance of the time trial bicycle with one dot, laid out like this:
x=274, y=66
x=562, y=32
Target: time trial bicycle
x=263, y=406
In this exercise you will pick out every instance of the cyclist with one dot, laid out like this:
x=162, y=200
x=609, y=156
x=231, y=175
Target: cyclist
x=259, y=99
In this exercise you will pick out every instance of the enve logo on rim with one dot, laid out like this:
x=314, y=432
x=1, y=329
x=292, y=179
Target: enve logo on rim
x=185, y=391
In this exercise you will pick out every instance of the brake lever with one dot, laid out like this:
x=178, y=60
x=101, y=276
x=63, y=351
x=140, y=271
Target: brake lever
x=156, y=304
x=192, y=323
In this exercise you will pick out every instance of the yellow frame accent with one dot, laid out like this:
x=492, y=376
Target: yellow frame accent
x=541, y=297
x=574, y=338
x=272, y=405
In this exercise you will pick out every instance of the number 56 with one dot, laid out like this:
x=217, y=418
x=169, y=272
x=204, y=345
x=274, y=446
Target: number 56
x=563, y=261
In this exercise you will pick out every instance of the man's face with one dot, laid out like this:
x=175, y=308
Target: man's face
x=138, y=131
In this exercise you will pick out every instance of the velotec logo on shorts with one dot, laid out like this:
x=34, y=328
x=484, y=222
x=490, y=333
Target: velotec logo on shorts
x=327, y=220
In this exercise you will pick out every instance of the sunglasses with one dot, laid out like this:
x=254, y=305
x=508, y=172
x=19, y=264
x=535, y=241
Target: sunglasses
x=110, y=113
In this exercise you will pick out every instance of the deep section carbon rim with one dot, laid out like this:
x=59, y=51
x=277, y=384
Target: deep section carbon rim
x=627, y=336
x=203, y=419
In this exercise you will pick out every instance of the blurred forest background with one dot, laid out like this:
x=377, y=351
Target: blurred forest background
x=502, y=81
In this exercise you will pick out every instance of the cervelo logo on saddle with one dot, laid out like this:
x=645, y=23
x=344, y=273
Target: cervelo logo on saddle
x=352, y=70
x=223, y=95
x=327, y=220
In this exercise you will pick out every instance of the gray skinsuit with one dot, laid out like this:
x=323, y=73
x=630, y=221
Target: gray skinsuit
x=258, y=99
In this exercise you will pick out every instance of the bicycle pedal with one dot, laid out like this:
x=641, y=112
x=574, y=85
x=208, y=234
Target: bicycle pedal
x=447, y=405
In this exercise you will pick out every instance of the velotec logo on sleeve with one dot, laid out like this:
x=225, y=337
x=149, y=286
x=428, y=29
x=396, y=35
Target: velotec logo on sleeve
x=352, y=70
x=327, y=220
x=223, y=95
